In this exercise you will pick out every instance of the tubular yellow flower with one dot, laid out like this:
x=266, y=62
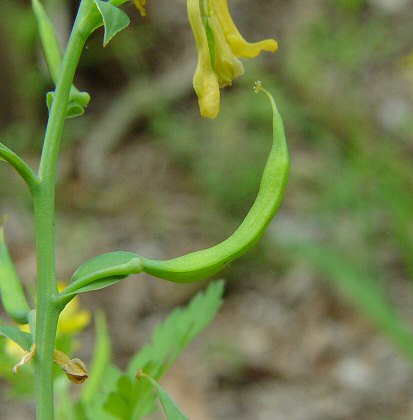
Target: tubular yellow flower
x=219, y=45
x=140, y=5
x=227, y=66
x=239, y=46
x=205, y=81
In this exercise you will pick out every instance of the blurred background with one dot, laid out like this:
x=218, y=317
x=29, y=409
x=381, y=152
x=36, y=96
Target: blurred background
x=318, y=317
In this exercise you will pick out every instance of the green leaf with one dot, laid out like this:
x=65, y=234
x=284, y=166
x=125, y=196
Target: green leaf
x=114, y=20
x=21, y=338
x=170, y=338
x=94, y=408
x=174, y=334
x=171, y=410
x=100, y=361
x=78, y=100
x=119, y=403
x=48, y=39
x=64, y=404
x=103, y=271
x=100, y=284
x=11, y=290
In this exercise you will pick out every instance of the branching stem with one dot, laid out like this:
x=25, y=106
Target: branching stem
x=44, y=212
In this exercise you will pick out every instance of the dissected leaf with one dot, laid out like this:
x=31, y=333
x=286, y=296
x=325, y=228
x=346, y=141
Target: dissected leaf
x=94, y=408
x=114, y=20
x=171, y=410
x=169, y=339
x=21, y=338
x=119, y=403
x=100, y=361
x=174, y=334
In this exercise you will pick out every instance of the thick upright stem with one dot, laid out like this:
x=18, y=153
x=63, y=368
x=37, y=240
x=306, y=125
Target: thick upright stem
x=44, y=209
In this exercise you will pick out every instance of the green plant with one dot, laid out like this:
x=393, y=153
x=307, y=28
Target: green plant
x=122, y=394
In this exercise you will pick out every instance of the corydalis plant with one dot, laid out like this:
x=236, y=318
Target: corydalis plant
x=219, y=47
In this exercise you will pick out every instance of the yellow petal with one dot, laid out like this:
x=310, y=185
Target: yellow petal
x=239, y=46
x=227, y=66
x=140, y=5
x=207, y=88
x=205, y=80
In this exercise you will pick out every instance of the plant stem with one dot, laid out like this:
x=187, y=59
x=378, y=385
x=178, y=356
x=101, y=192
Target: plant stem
x=44, y=213
x=20, y=166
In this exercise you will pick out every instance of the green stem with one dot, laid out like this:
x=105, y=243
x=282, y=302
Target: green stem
x=20, y=166
x=44, y=212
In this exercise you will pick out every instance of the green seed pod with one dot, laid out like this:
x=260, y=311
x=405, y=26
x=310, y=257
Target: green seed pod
x=11, y=291
x=205, y=263
x=107, y=269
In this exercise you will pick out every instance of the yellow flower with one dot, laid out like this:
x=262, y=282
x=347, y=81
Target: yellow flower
x=140, y=4
x=72, y=319
x=239, y=46
x=219, y=45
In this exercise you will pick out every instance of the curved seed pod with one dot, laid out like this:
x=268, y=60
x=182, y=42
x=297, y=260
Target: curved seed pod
x=107, y=269
x=11, y=291
x=201, y=264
